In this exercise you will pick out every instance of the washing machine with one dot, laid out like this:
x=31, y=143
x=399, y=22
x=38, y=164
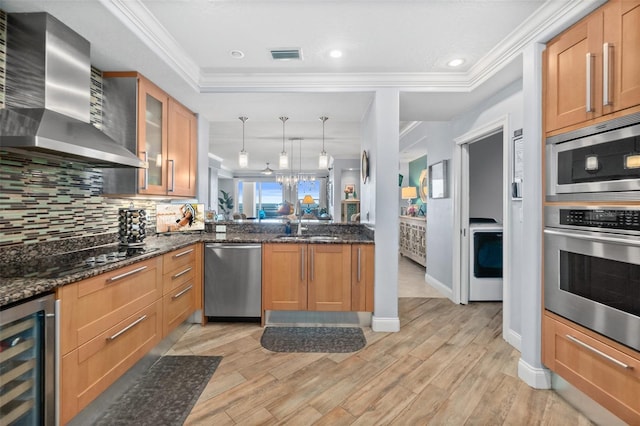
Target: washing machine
x=485, y=258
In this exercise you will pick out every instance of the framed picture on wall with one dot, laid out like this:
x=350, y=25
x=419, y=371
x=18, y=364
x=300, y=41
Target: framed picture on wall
x=438, y=180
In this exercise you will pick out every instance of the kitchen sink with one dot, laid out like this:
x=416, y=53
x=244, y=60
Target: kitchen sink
x=290, y=238
x=323, y=238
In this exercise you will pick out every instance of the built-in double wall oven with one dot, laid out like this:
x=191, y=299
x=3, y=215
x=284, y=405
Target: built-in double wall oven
x=592, y=228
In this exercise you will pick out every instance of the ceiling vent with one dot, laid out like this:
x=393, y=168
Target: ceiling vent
x=286, y=54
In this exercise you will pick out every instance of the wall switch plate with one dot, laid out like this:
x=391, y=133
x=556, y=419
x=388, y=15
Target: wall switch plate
x=221, y=228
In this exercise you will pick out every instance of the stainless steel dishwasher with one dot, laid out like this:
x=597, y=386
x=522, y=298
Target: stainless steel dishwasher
x=233, y=280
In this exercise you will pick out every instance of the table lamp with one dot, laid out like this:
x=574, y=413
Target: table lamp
x=409, y=193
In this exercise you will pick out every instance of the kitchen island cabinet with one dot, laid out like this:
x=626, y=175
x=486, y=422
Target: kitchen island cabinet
x=314, y=277
x=362, y=277
x=155, y=126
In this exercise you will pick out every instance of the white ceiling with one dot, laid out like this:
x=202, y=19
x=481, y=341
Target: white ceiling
x=184, y=46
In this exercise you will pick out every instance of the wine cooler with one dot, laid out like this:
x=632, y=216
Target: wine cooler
x=27, y=356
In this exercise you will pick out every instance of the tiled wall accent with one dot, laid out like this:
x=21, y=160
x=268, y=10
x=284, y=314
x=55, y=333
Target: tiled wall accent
x=95, y=114
x=3, y=54
x=50, y=199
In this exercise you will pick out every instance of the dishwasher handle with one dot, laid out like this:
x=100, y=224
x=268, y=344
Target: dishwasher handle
x=234, y=246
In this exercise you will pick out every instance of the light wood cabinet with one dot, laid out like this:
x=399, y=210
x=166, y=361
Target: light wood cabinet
x=314, y=277
x=604, y=370
x=90, y=369
x=593, y=68
x=180, y=286
x=91, y=306
x=110, y=321
x=362, y=277
x=413, y=238
x=165, y=134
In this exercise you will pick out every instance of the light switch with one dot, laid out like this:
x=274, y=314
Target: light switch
x=221, y=228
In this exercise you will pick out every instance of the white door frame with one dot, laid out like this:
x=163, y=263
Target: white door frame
x=460, y=176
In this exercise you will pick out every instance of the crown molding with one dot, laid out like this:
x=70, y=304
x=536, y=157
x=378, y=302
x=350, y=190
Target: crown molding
x=135, y=16
x=539, y=27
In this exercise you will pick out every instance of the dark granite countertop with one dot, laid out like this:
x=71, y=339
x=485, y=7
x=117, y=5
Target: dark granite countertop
x=15, y=289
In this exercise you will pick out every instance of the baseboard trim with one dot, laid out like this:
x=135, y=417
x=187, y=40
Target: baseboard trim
x=446, y=291
x=388, y=325
x=537, y=378
x=513, y=338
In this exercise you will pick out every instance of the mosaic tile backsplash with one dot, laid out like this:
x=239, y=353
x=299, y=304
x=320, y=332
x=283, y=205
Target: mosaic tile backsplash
x=3, y=54
x=43, y=200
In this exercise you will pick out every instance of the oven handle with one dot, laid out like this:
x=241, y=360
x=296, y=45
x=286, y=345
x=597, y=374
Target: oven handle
x=592, y=237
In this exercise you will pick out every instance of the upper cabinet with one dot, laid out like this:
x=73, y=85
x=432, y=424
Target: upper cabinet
x=155, y=126
x=593, y=68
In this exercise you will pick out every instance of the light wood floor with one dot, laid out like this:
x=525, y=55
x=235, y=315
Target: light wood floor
x=411, y=280
x=447, y=365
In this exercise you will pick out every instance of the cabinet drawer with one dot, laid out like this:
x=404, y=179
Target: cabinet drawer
x=177, y=277
x=594, y=367
x=90, y=369
x=177, y=306
x=178, y=258
x=91, y=306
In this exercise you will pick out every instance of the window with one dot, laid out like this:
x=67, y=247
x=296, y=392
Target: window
x=267, y=197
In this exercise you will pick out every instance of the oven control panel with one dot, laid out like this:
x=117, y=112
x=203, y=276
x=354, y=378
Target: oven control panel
x=601, y=218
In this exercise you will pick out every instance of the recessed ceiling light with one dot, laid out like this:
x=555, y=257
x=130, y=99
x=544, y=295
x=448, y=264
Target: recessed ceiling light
x=336, y=53
x=455, y=62
x=237, y=54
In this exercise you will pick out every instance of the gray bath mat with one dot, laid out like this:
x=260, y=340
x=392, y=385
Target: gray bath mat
x=313, y=339
x=164, y=395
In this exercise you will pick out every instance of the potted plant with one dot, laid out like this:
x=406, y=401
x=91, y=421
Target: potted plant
x=225, y=204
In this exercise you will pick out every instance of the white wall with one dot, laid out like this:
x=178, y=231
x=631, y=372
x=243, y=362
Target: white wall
x=202, y=180
x=485, y=178
x=438, y=141
x=340, y=167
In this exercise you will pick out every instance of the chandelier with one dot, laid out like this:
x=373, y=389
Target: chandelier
x=290, y=178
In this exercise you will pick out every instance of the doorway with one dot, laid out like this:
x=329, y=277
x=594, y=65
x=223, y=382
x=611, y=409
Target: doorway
x=467, y=205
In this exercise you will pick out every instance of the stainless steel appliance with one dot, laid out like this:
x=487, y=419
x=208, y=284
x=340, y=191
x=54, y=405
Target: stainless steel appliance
x=48, y=77
x=233, y=280
x=592, y=268
x=600, y=162
x=27, y=357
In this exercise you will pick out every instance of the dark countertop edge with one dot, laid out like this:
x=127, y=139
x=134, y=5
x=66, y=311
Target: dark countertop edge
x=14, y=290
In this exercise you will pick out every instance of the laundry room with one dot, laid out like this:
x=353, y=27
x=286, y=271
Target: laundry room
x=485, y=218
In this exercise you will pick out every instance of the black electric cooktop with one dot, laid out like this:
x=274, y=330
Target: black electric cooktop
x=70, y=263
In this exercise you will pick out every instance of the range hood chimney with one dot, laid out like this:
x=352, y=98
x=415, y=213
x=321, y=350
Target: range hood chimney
x=48, y=89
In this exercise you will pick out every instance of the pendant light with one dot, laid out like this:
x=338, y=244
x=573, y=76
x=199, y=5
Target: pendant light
x=284, y=158
x=243, y=156
x=323, y=160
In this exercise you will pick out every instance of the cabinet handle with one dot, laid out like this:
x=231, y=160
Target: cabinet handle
x=179, y=274
x=311, y=267
x=302, y=256
x=175, y=296
x=606, y=73
x=183, y=253
x=173, y=175
x=146, y=171
x=359, y=251
x=597, y=352
x=126, y=274
x=127, y=328
x=589, y=107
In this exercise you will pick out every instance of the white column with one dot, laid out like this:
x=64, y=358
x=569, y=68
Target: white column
x=530, y=368
x=384, y=154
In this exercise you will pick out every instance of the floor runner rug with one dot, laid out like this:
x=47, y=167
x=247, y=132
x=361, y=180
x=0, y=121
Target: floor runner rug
x=165, y=394
x=313, y=339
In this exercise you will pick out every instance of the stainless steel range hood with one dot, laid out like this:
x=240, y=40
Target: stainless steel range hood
x=48, y=79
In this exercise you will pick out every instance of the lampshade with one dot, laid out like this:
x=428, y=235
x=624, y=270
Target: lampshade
x=308, y=199
x=243, y=159
x=409, y=192
x=243, y=156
